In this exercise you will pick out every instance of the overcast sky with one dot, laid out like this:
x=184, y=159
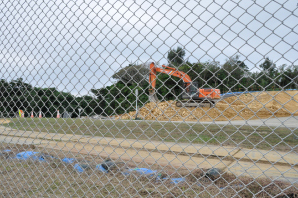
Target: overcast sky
x=77, y=45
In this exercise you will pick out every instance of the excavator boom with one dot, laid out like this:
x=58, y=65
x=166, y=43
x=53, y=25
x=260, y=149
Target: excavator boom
x=167, y=70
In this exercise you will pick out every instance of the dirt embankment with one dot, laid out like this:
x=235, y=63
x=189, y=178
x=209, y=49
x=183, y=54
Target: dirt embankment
x=243, y=107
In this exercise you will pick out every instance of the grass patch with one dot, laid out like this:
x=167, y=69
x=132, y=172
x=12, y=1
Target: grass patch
x=279, y=138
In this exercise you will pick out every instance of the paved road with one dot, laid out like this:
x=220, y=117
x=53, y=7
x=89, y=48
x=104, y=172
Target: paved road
x=282, y=122
x=290, y=122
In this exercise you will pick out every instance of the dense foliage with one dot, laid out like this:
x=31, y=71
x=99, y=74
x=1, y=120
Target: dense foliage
x=176, y=57
x=17, y=95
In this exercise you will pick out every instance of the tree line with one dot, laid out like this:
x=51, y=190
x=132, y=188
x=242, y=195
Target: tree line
x=17, y=94
x=119, y=98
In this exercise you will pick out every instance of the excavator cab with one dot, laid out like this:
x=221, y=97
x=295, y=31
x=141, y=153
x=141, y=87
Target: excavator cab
x=190, y=90
x=193, y=88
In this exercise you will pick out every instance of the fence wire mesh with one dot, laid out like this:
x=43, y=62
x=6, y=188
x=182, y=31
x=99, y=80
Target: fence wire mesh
x=151, y=98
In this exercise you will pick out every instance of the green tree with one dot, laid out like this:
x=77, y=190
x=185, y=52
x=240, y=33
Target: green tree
x=235, y=73
x=268, y=66
x=289, y=77
x=210, y=74
x=176, y=57
x=120, y=97
x=267, y=77
x=133, y=73
x=89, y=106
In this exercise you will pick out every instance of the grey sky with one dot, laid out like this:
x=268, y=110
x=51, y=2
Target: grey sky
x=78, y=45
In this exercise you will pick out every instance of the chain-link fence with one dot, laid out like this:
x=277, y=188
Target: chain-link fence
x=152, y=98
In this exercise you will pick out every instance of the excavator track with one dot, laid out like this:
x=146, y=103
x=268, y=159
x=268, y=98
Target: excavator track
x=206, y=103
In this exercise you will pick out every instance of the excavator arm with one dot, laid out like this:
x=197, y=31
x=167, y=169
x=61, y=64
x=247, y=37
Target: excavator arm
x=166, y=70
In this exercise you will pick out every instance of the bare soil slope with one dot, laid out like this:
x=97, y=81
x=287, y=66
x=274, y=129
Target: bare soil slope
x=243, y=107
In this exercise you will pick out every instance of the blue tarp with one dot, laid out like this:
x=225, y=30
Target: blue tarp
x=177, y=180
x=68, y=160
x=78, y=168
x=26, y=155
x=142, y=171
x=81, y=167
x=32, y=155
x=237, y=93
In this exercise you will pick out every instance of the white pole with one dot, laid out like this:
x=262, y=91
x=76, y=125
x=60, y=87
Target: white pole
x=136, y=92
x=80, y=109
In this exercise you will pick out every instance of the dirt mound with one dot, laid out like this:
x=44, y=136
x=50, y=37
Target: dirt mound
x=243, y=107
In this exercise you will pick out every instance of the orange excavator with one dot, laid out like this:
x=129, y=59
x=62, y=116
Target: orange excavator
x=192, y=96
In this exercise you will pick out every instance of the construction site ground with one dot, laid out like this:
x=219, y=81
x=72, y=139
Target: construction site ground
x=247, y=106
x=273, y=162
x=66, y=181
x=242, y=162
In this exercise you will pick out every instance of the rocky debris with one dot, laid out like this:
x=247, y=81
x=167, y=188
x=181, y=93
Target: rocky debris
x=245, y=106
x=213, y=173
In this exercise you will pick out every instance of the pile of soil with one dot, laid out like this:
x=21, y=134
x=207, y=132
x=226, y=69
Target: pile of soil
x=242, y=107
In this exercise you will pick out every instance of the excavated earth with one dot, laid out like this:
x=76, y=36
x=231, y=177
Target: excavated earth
x=257, y=105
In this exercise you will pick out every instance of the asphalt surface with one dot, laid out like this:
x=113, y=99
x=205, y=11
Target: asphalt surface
x=289, y=122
